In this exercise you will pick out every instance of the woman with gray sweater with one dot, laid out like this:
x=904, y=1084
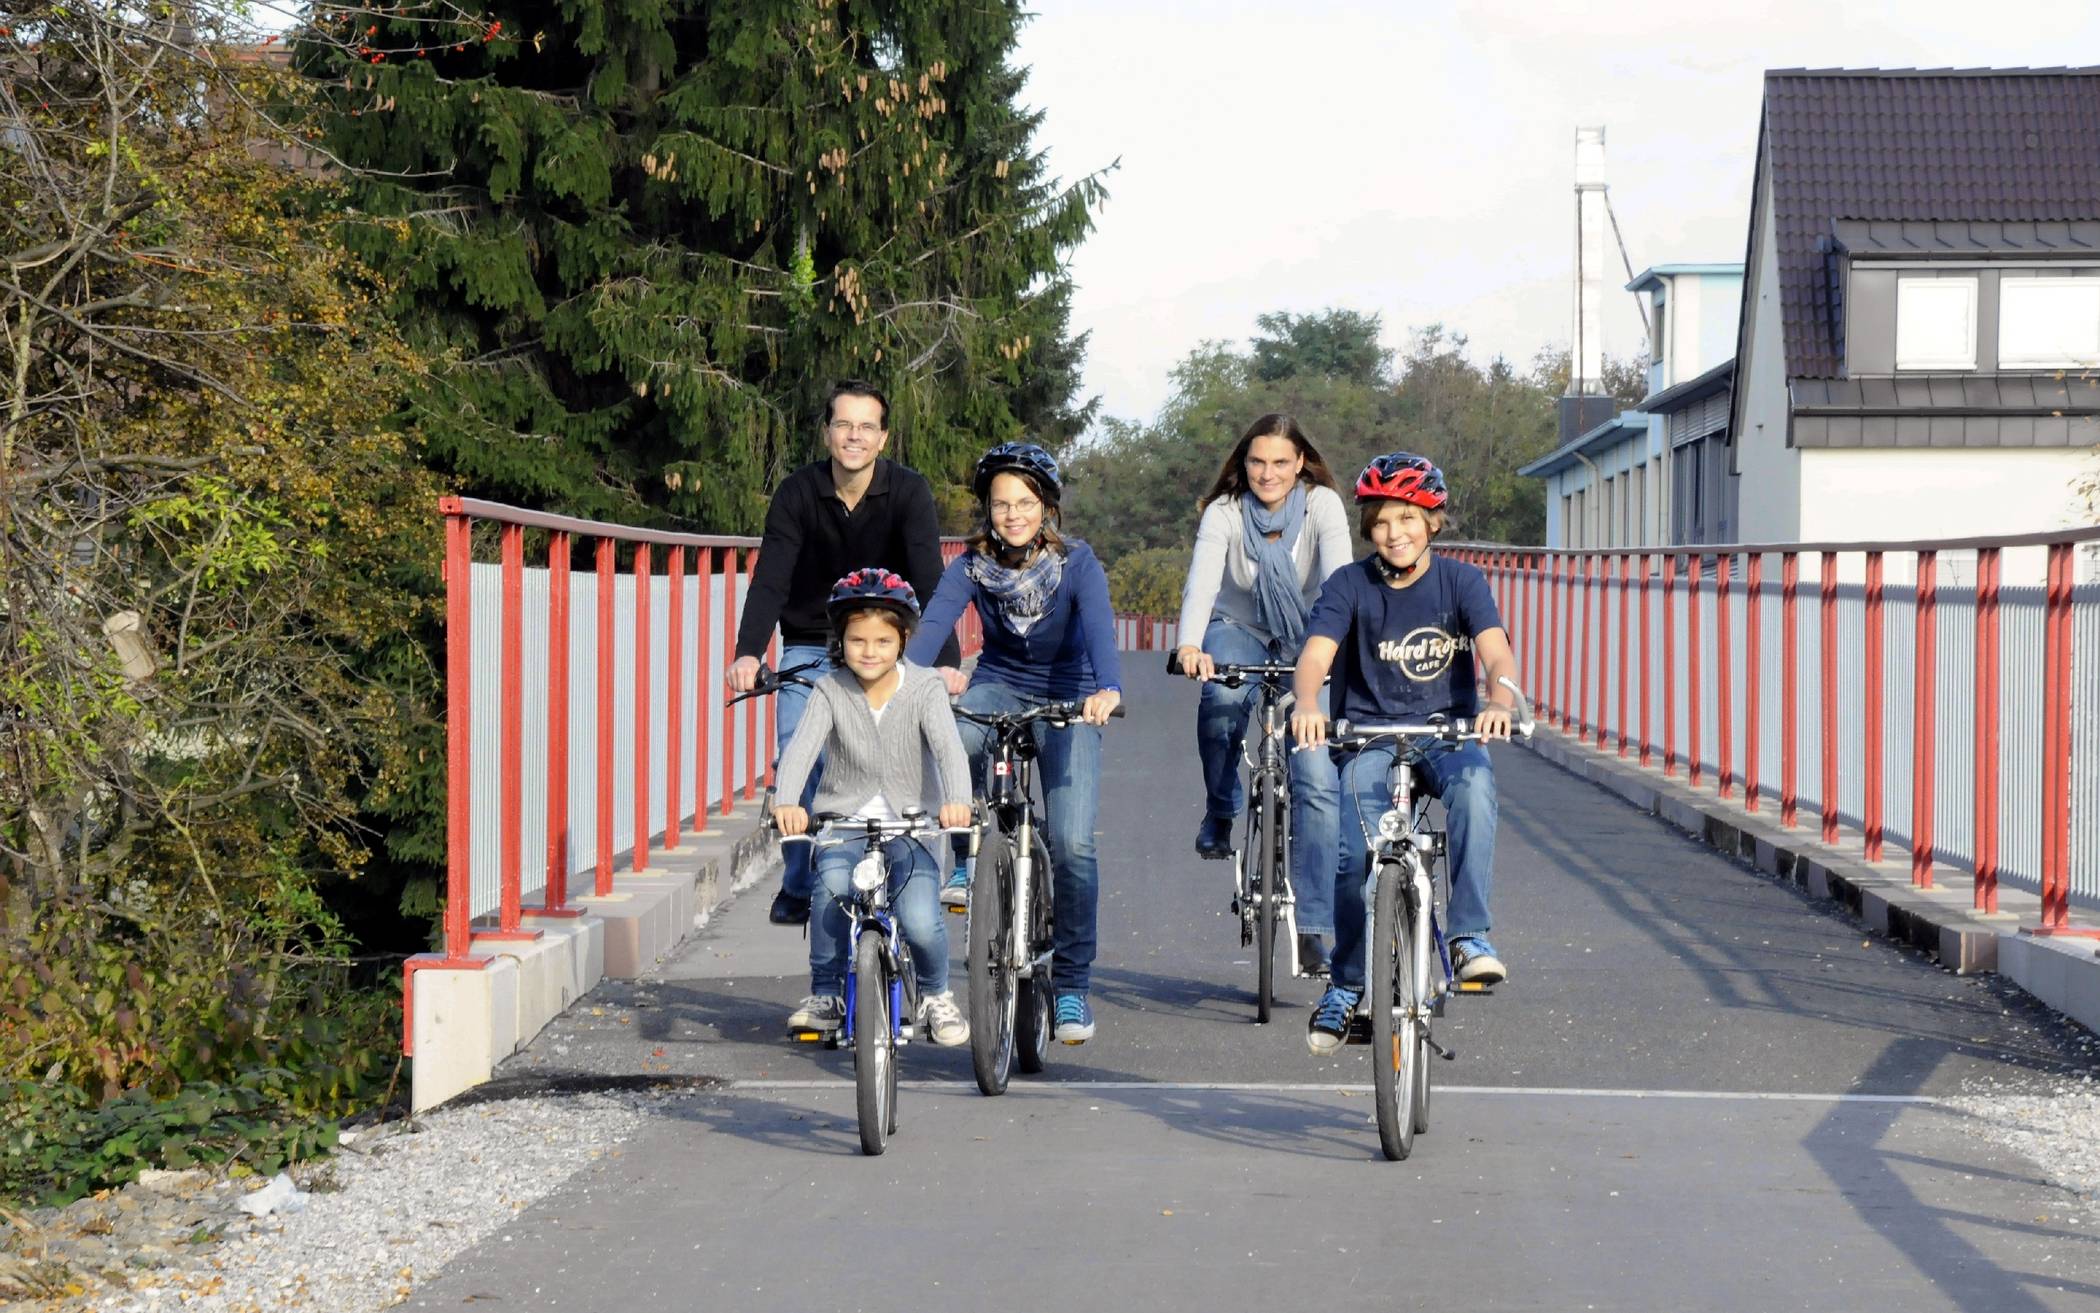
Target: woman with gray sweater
x=1273, y=529
x=889, y=745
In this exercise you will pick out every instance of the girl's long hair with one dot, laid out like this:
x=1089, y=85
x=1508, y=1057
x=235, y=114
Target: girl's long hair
x=1232, y=477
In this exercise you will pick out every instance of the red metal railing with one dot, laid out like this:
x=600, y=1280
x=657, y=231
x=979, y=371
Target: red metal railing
x=618, y=719
x=1896, y=689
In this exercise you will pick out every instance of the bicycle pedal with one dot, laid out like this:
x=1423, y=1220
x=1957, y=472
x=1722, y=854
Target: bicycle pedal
x=809, y=1036
x=1359, y=1030
x=1473, y=987
x=958, y=909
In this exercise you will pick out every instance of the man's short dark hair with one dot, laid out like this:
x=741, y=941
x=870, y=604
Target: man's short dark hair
x=853, y=387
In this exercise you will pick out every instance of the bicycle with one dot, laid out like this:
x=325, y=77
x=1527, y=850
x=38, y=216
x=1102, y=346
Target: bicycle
x=882, y=990
x=1010, y=906
x=1405, y=984
x=1261, y=880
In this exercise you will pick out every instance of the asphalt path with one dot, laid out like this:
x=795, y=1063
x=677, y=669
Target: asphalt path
x=1699, y=1090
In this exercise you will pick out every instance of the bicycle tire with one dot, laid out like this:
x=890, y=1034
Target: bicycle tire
x=1268, y=883
x=874, y=1046
x=992, y=994
x=1389, y=996
x=1034, y=997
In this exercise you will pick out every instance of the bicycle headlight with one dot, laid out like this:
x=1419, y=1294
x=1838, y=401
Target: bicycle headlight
x=869, y=872
x=1390, y=825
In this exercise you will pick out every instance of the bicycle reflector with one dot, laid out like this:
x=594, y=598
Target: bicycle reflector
x=869, y=872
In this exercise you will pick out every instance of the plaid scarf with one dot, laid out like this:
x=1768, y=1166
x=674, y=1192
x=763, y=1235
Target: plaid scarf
x=1021, y=595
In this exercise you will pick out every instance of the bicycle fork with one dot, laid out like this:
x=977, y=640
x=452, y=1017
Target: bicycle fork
x=1025, y=875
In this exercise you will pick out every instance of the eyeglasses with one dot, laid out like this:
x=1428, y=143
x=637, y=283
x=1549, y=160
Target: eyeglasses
x=846, y=428
x=1002, y=509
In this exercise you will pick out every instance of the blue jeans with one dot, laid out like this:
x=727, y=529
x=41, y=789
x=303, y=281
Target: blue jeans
x=1222, y=715
x=787, y=713
x=1462, y=775
x=914, y=879
x=1069, y=768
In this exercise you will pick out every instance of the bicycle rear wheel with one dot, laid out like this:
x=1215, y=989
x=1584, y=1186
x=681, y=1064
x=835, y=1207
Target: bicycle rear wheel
x=1265, y=835
x=992, y=993
x=1396, y=1048
x=874, y=1046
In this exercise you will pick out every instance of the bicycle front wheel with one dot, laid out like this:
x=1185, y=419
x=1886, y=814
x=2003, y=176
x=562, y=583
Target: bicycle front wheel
x=992, y=995
x=1265, y=836
x=874, y=1046
x=1390, y=996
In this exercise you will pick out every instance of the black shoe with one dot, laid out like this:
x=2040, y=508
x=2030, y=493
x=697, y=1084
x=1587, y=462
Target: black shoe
x=788, y=909
x=1214, y=838
x=1312, y=955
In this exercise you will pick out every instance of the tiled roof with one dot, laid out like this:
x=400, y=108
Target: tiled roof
x=1903, y=144
x=1913, y=239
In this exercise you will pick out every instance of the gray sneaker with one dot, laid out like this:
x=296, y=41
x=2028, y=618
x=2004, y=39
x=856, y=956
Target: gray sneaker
x=819, y=1012
x=943, y=1020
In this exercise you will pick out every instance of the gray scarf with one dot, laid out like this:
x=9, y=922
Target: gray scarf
x=1279, y=601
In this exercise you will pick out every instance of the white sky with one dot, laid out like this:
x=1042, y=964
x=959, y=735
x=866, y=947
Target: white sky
x=1415, y=157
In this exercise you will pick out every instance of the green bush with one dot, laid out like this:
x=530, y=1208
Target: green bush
x=1149, y=582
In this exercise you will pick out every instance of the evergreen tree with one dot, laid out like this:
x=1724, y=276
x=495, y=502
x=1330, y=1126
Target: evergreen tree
x=646, y=237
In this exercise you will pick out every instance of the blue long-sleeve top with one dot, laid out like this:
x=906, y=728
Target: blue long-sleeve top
x=1069, y=653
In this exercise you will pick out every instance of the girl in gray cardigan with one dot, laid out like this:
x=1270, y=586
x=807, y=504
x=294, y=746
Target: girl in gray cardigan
x=889, y=745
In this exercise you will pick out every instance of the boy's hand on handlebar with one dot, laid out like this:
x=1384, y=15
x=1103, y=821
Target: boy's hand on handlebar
x=1492, y=723
x=1099, y=705
x=743, y=674
x=955, y=815
x=1309, y=727
x=794, y=820
x=955, y=680
x=1196, y=663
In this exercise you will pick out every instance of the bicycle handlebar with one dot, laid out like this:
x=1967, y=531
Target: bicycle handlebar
x=832, y=829
x=1059, y=713
x=1233, y=676
x=771, y=682
x=1347, y=736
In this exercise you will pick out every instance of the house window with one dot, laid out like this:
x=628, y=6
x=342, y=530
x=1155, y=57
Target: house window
x=2048, y=323
x=1936, y=323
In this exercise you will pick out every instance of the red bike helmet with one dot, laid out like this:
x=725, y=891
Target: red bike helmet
x=1402, y=476
x=872, y=586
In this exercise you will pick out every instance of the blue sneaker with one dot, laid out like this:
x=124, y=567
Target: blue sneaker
x=1474, y=962
x=1330, y=1020
x=1075, y=1020
x=955, y=894
x=1214, y=838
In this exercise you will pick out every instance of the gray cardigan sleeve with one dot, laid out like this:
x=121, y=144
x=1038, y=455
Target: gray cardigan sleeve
x=1330, y=522
x=937, y=724
x=1206, y=573
x=802, y=750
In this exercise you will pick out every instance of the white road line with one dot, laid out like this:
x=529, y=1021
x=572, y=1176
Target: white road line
x=1311, y=1087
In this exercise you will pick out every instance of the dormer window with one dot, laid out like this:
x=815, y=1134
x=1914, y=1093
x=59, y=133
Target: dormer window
x=2048, y=323
x=1936, y=323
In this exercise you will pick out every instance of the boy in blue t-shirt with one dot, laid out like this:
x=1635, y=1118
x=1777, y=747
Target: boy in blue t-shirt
x=1400, y=630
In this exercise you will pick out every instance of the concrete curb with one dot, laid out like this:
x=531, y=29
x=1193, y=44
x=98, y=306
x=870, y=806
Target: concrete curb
x=2063, y=973
x=467, y=1021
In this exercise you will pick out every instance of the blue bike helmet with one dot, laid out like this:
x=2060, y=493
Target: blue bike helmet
x=872, y=586
x=1026, y=459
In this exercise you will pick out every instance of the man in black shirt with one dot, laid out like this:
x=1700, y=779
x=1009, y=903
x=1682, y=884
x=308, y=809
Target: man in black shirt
x=826, y=520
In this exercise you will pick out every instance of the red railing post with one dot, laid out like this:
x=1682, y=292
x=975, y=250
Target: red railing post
x=1669, y=698
x=703, y=693
x=1724, y=679
x=1564, y=574
x=604, y=561
x=1870, y=814
x=731, y=606
x=640, y=852
x=1534, y=646
x=674, y=701
x=1691, y=661
x=556, y=900
x=751, y=748
x=1789, y=687
x=459, y=733
x=1827, y=586
x=1585, y=641
x=1753, y=641
x=1986, y=792
x=510, y=749
x=2057, y=656
x=1647, y=683
x=1924, y=716
x=1625, y=577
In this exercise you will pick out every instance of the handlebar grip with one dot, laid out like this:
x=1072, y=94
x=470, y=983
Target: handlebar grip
x=1116, y=714
x=1174, y=662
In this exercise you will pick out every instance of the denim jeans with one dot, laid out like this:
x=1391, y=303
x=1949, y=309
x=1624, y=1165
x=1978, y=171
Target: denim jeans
x=1222, y=715
x=787, y=713
x=1069, y=769
x=1462, y=775
x=914, y=881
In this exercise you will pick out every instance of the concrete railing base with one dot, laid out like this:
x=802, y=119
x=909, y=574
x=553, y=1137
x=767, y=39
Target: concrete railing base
x=464, y=1021
x=1941, y=921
